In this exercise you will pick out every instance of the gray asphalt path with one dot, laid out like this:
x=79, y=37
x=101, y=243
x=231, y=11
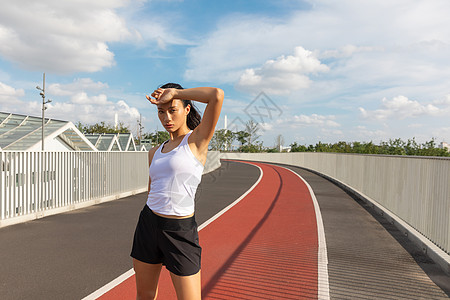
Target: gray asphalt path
x=70, y=255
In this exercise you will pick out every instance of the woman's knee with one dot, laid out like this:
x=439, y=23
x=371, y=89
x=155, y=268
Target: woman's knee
x=146, y=294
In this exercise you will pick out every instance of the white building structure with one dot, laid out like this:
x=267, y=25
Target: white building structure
x=24, y=133
x=112, y=141
x=445, y=145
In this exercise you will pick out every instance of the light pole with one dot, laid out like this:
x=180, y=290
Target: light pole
x=43, y=107
x=140, y=127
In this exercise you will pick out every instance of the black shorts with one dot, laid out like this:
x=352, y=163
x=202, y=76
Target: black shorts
x=172, y=242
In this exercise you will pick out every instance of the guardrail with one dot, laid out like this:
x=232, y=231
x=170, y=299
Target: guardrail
x=38, y=184
x=415, y=189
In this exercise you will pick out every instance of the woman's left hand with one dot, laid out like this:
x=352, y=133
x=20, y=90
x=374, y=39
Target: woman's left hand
x=162, y=95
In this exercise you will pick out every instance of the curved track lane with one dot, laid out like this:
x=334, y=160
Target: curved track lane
x=265, y=245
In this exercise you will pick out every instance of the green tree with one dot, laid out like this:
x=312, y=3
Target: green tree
x=157, y=137
x=242, y=137
x=298, y=148
x=252, y=148
x=252, y=129
x=229, y=136
x=429, y=149
x=219, y=140
x=321, y=147
x=343, y=147
x=394, y=147
x=391, y=147
x=272, y=150
x=102, y=128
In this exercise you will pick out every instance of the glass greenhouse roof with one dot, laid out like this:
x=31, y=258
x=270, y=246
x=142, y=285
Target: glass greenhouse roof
x=111, y=141
x=21, y=132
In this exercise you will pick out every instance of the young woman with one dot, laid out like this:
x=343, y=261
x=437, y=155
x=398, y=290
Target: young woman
x=166, y=233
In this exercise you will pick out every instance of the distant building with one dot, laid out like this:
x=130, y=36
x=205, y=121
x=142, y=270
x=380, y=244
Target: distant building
x=112, y=141
x=141, y=147
x=445, y=145
x=24, y=133
x=285, y=149
x=147, y=144
x=126, y=142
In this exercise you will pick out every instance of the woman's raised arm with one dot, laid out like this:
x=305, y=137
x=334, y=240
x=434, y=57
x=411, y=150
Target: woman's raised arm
x=212, y=96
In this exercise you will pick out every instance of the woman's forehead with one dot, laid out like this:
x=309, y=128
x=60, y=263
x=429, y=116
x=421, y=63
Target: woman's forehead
x=172, y=103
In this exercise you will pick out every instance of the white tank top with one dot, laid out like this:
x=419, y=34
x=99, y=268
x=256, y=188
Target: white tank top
x=175, y=176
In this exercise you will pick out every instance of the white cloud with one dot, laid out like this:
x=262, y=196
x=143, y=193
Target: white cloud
x=8, y=94
x=162, y=29
x=363, y=134
x=415, y=125
x=80, y=106
x=61, y=36
x=331, y=132
x=368, y=45
x=347, y=51
x=126, y=110
x=445, y=101
x=283, y=75
x=313, y=120
x=266, y=126
x=93, y=109
x=82, y=98
x=73, y=36
x=155, y=32
x=442, y=134
x=79, y=84
x=401, y=107
x=232, y=106
x=14, y=104
x=239, y=41
x=305, y=128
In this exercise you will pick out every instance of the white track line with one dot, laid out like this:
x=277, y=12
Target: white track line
x=234, y=203
x=109, y=286
x=323, y=288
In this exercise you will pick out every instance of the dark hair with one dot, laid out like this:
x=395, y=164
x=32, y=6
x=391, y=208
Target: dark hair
x=193, y=118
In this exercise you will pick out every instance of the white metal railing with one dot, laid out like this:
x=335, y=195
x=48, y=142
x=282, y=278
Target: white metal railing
x=32, y=182
x=415, y=189
x=35, y=184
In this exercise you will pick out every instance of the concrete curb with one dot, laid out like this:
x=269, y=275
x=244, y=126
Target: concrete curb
x=63, y=209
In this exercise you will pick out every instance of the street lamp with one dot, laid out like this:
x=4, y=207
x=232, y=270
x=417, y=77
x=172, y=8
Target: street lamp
x=42, y=93
x=140, y=127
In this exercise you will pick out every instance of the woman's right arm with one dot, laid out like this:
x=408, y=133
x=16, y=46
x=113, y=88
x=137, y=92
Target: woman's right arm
x=151, y=152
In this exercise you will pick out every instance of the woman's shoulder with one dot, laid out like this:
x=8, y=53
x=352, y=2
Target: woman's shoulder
x=153, y=149
x=151, y=152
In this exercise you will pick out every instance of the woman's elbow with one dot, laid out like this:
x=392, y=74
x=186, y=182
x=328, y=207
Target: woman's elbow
x=219, y=94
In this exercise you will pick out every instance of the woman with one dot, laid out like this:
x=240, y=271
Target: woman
x=166, y=233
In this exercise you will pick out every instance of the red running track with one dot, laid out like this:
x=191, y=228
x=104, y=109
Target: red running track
x=264, y=247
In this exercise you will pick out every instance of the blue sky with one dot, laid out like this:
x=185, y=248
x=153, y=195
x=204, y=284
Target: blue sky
x=315, y=70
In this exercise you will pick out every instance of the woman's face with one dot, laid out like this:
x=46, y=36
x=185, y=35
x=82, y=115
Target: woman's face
x=173, y=113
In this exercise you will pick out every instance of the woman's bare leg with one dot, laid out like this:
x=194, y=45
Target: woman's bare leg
x=147, y=276
x=187, y=287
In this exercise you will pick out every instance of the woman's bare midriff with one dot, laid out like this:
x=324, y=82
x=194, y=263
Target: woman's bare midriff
x=172, y=216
